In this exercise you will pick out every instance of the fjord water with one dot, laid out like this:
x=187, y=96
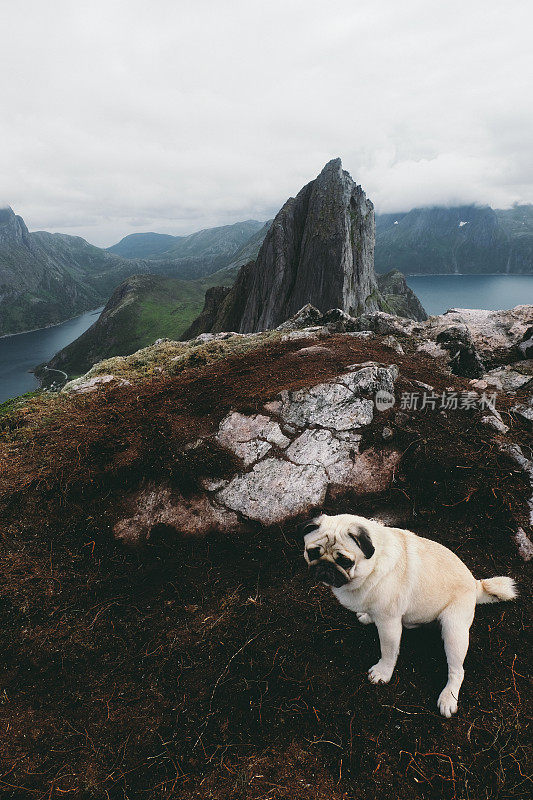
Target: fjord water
x=438, y=293
x=24, y=351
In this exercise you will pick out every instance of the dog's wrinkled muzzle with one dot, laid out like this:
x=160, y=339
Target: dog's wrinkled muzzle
x=326, y=572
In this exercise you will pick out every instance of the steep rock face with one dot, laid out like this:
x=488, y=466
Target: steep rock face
x=319, y=250
x=13, y=230
x=398, y=298
x=214, y=297
x=464, y=239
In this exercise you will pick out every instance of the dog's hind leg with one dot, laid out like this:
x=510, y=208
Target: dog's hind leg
x=390, y=634
x=455, y=621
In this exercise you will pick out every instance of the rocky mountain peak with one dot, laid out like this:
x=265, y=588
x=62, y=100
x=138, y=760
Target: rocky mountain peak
x=13, y=229
x=319, y=250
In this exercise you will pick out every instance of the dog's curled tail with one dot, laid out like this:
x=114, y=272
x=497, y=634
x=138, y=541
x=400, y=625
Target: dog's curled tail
x=491, y=590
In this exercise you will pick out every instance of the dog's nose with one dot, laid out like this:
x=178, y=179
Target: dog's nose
x=325, y=572
x=319, y=571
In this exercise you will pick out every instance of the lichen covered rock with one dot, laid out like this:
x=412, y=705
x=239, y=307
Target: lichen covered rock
x=306, y=443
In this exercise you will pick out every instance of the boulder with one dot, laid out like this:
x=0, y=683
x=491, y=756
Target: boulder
x=306, y=317
x=84, y=385
x=526, y=345
x=464, y=358
x=499, y=337
x=511, y=377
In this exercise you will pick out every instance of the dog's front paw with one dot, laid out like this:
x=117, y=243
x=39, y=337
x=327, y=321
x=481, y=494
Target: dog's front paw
x=363, y=617
x=447, y=703
x=380, y=673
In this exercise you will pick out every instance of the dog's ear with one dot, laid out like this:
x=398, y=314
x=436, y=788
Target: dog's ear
x=361, y=537
x=308, y=527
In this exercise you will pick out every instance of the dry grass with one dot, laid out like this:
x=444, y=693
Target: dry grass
x=210, y=668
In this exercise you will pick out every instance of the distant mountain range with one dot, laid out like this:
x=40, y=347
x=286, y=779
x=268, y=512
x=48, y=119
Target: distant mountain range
x=466, y=239
x=433, y=240
x=192, y=256
x=46, y=278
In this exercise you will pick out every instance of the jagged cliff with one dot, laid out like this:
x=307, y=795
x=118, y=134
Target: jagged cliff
x=318, y=250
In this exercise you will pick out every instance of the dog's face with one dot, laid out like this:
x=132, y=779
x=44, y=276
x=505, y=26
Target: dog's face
x=335, y=546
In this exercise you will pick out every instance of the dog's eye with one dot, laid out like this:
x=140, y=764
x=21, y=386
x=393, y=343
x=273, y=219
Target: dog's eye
x=343, y=561
x=313, y=553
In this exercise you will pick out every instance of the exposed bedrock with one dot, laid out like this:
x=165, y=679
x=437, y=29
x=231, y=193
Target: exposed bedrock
x=303, y=444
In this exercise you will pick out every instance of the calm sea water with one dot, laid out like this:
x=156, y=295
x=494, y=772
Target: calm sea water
x=438, y=293
x=23, y=351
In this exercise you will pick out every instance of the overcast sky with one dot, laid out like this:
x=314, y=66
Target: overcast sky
x=120, y=116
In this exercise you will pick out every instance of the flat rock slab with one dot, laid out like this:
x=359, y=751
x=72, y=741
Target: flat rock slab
x=83, y=386
x=306, y=443
x=341, y=405
x=160, y=506
x=330, y=405
x=321, y=448
x=250, y=438
x=275, y=490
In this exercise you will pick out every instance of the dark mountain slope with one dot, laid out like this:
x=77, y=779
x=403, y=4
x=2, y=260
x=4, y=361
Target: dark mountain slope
x=142, y=309
x=209, y=667
x=46, y=278
x=466, y=239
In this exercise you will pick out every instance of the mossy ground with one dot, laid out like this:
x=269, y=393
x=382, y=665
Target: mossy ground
x=171, y=357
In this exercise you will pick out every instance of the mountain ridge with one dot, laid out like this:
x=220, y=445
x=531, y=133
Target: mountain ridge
x=47, y=278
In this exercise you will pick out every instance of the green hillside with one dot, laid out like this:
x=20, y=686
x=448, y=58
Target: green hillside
x=142, y=309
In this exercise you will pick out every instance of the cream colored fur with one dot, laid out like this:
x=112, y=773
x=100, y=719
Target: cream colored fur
x=408, y=581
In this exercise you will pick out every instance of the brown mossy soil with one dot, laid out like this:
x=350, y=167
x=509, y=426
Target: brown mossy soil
x=211, y=668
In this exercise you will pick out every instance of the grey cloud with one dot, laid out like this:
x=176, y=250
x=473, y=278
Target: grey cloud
x=174, y=116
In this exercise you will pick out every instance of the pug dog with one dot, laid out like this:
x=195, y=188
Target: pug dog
x=394, y=578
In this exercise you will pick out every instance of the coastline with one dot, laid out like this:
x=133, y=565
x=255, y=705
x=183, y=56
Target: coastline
x=54, y=324
x=463, y=274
